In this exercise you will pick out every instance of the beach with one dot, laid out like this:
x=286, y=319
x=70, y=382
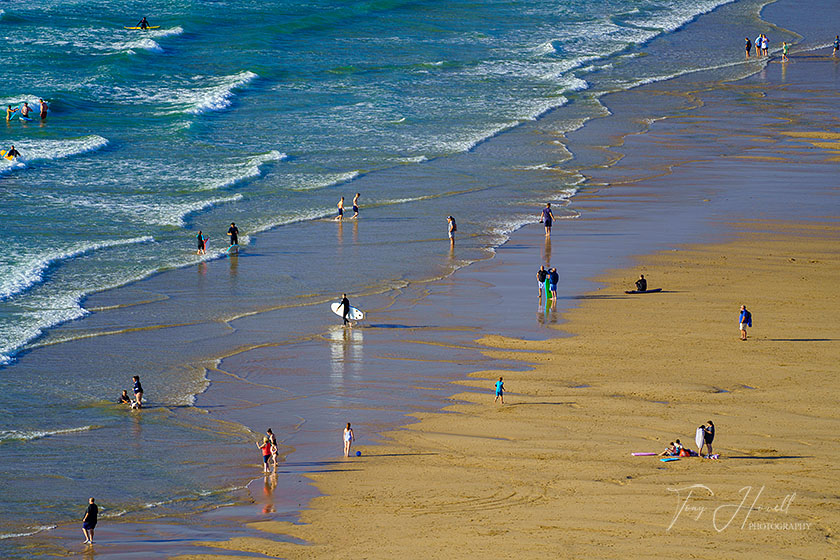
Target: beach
x=716, y=184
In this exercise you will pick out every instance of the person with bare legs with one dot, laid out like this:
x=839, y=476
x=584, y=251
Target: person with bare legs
x=500, y=391
x=356, y=205
x=349, y=438
x=89, y=521
x=547, y=218
x=340, y=210
x=452, y=228
x=744, y=321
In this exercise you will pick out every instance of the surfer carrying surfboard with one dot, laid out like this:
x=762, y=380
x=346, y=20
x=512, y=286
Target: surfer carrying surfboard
x=233, y=231
x=345, y=309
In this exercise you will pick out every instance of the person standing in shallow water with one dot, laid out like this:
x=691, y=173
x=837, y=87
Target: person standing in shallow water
x=356, y=205
x=233, y=232
x=138, y=392
x=452, y=228
x=547, y=218
x=747, y=45
x=340, y=210
x=89, y=521
x=541, y=274
x=349, y=438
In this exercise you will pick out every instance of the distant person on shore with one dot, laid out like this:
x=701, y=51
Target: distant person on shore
x=758, y=45
x=265, y=447
x=356, y=205
x=744, y=321
x=340, y=210
x=345, y=309
x=709, y=437
x=138, y=392
x=641, y=283
x=836, y=45
x=349, y=438
x=233, y=232
x=10, y=112
x=784, y=52
x=541, y=274
x=202, y=243
x=124, y=398
x=273, y=440
x=748, y=46
x=43, y=108
x=764, y=44
x=89, y=521
x=500, y=390
x=553, y=278
x=12, y=153
x=452, y=227
x=547, y=218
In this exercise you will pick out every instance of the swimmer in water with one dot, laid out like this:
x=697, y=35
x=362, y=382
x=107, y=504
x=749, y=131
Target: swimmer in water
x=12, y=153
x=340, y=210
x=356, y=205
x=43, y=107
x=10, y=112
x=24, y=110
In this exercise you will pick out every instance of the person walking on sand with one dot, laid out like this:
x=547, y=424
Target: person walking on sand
x=340, y=210
x=500, y=391
x=553, y=278
x=541, y=274
x=547, y=218
x=345, y=309
x=709, y=437
x=349, y=438
x=265, y=447
x=233, y=232
x=356, y=205
x=138, y=392
x=744, y=321
x=452, y=227
x=747, y=46
x=89, y=521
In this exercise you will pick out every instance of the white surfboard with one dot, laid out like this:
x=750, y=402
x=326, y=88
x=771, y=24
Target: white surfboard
x=699, y=438
x=354, y=315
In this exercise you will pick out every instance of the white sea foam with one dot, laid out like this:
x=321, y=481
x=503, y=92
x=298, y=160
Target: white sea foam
x=166, y=32
x=308, y=183
x=30, y=530
x=217, y=96
x=34, y=151
x=139, y=44
x=29, y=435
x=25, y=275
x=248, y=170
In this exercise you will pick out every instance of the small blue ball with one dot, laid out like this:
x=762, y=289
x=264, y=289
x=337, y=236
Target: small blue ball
x=358, y=453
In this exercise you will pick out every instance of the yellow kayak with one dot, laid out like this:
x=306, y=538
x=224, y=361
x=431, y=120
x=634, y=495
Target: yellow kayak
x=140, y=28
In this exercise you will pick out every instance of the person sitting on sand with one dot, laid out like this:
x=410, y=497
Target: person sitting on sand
x=641, y=283
x=670, y=452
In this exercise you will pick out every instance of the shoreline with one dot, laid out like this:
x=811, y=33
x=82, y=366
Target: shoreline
x=526, y=234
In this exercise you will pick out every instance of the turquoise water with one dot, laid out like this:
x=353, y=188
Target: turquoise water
x=264, y=114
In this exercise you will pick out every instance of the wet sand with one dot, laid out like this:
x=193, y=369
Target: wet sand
x=550, y=472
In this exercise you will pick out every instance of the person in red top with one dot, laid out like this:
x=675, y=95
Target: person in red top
x=266, y=451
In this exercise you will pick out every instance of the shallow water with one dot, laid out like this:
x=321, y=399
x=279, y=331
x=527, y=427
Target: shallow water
x=153, y=136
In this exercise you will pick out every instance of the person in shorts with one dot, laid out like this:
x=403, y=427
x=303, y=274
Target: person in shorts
x=748, y=45
x=744, y=321
x=553, y=278
x=265, y=446
x=547, y=218
x=500, y=390
x=89, y=521
x=138, y=392
x=356, y=205
x=452, y=228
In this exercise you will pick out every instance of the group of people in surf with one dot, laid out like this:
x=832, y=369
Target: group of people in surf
x=201, y=239
x=24, y=110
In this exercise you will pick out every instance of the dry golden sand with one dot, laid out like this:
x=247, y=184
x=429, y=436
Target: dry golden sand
x=550, y=475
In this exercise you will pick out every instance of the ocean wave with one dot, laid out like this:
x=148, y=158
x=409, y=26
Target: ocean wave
x=29, y=435
x=23, y=277
x=30, y=530
x=304, y=183
x=218, y=96
x=33, y=151
x=139, y=44
x=159, y=33
x=248, y=170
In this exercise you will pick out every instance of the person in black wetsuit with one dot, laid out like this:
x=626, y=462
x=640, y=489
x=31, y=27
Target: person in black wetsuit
x=143, y=23
x=541, y=274
x=641, y=283
x=345, y=309
x=233, y=231
x=12, y=152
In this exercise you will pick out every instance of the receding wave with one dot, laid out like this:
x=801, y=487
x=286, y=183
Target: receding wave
x=27, y=274
x=30, y=530
x=29, y=435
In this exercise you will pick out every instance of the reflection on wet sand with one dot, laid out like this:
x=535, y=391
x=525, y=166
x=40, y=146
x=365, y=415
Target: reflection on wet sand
x=346, y=348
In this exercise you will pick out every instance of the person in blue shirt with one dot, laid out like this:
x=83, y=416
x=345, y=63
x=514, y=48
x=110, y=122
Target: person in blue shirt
x=744, y=321
x=500, y=390
x=138, y=392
